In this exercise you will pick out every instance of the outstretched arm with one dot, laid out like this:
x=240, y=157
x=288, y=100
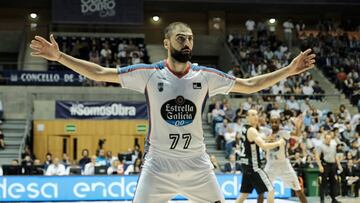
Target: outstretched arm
x=50, y=51
x=303, y=62
x=254, y=135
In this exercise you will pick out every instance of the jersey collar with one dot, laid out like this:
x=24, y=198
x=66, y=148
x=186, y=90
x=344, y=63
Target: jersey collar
x=178, y=75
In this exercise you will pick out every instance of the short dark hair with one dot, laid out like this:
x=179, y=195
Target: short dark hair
x=169, y=29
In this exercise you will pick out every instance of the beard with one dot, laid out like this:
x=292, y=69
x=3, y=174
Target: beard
x=275, y=129
x=181, y=56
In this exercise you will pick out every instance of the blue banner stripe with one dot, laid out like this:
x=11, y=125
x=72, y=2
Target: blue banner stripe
x=99, y=188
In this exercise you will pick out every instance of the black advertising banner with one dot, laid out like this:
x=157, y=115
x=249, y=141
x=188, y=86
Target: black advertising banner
x=100, y=110
x=57, y=78
x=98, y=11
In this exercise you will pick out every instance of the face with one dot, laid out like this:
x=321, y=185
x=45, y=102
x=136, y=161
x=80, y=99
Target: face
x=328, y=138
x=180, y=44
x=275, y=124
x=232, y=158
x=56, y=161
x=252, y=117
x=85, y=153
x=101, y=152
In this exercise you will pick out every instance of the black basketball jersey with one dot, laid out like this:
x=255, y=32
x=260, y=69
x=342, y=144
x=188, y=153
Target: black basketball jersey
x=249, y=151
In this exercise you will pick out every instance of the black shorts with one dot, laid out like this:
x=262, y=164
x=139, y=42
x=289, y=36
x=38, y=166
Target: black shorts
x=257, y=180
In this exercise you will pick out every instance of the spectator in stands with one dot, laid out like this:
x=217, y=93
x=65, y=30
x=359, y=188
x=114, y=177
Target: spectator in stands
x=56, y=168
x=109, y=157
x=351, y=179
x=116, y=168
x=232, y=166
x=136, y=153
x=134, y=168
x=215, y=163
x=229, y=137
x=344, y=114
x=105, y=54
x=90, y=167
x=220, y=130
x=28, y=152
x=27, y=161
x=250, y=26
x=101, y=159
x=2, y=142
x=293, y=104
x=218, y=115
x=1, y=171
x=229, y=112
x=288, y=27
x=48, y=160
x=65, y=160
x=307, y=89
x=37, y=168
x=94, y=55
x=85, y=158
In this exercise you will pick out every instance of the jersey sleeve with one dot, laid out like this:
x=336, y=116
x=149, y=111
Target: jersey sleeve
x=136, y=77
x=218, y=81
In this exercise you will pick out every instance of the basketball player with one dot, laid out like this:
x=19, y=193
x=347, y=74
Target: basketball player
x=277, y=162
x=176, y=91
x=253, y=176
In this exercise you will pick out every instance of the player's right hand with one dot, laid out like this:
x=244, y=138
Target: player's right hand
x=282, y=142
x=45, y=49
x=321, y=169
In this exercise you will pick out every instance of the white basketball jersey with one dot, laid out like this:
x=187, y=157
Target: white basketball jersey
x=279, y=153
x=175, y=104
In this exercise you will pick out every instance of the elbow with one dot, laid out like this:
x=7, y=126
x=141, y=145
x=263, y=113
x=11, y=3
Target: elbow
x=250, y=87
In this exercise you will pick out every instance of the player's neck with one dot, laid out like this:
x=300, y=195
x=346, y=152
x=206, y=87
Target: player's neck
x=176, y=66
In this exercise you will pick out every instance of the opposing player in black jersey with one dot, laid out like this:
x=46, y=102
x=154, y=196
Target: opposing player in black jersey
x=253, y=176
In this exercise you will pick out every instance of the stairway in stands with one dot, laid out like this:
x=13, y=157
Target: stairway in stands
x=13, y=135
x=209, y=140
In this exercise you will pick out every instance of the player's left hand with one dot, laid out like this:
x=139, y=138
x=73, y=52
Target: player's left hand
x=302, y=62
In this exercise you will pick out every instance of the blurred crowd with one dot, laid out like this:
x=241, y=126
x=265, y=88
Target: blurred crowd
x=227, y=122
x=104, y=162
x=111, y=52
x=338, y=56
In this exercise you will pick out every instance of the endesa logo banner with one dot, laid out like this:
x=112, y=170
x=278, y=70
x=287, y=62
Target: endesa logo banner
x=78, y=188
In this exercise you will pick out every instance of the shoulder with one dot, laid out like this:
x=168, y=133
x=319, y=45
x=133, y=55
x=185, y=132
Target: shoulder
x=141, y=66
x=210, y=71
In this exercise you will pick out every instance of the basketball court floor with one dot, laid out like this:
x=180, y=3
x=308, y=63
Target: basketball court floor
x=292, y=200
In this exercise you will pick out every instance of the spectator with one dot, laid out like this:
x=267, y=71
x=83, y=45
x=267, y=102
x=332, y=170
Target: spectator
x=48, y=160
x=2, y=142
x=136, y=153
x=90, y=167
x=116, y=167
x=27, y=161
x=232, y=166
x=250, y=26
x=134, y=168
x=37, y=168
x=307, y=89
x=229, y=112
x=1, y=171
x=101, y=159
x=229, y=140
x=288, y=27
x=293, y=104
x=65, y=160
x=56, y=168
x=220, y=131
x=352, y=181
x=85, y=158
